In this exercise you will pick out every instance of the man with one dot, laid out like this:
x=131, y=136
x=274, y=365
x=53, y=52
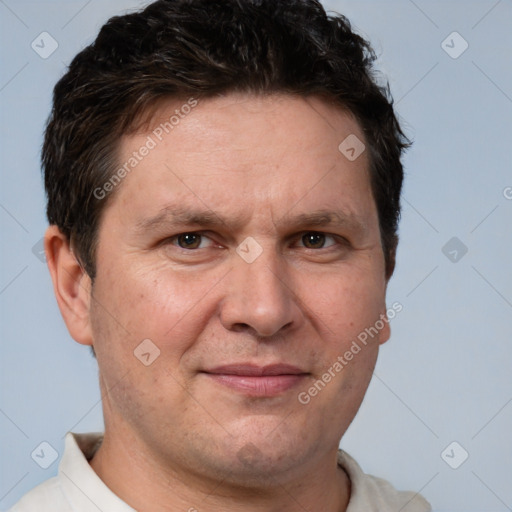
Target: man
x=223, y=184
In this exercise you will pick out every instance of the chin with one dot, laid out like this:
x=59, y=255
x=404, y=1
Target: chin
x=251, y=467
x=264, y=454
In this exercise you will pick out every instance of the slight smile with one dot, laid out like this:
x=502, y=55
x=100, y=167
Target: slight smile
x=258, y=381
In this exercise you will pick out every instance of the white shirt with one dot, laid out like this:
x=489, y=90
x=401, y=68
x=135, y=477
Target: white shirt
x=77, y=488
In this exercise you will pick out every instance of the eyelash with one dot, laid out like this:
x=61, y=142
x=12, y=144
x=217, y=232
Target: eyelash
x=336, y=239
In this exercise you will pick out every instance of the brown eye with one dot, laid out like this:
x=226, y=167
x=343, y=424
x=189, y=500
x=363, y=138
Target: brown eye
x=189, y=240
x=313, y=240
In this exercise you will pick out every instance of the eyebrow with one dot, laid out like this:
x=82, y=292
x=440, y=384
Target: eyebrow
x=171, y=215
x=181, y=215
x=325, y=218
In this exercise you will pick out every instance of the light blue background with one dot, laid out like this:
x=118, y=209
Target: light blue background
x=446, y=373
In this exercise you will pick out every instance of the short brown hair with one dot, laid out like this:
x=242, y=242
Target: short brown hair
x=200, y=48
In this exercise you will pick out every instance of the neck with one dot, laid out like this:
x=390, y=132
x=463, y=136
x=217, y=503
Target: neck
x=148, y=485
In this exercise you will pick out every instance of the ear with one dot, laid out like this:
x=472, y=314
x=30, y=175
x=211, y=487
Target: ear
x=391, y=257
x=71, y=284
x=385, y=332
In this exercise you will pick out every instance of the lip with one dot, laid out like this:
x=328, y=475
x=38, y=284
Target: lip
x=261, y=381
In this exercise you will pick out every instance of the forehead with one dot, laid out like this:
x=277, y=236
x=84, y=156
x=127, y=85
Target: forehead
x=240, y=121
x=250, y=152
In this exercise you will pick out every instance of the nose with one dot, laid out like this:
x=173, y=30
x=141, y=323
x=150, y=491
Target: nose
x=260, y=297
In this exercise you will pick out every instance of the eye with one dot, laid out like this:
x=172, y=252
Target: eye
x=190, y=241
x=316, y=240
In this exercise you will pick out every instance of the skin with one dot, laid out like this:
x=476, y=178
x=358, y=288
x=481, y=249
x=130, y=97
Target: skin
x=176, y=438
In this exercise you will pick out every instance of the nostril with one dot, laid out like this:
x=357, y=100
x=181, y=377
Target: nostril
x=241, y=327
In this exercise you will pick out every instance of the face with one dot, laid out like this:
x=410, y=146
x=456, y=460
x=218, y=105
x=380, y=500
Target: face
x=246, y=247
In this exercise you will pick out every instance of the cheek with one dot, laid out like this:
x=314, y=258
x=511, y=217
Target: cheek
x=345, y=312
x=347, y=303
x=346, y=309
x=134, y=306
x=160, y=304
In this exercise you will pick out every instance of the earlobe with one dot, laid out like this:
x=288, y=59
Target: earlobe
x=71, y=284
x=385, y=332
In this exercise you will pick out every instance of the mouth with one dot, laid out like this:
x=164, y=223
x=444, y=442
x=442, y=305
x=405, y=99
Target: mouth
x=257, y=381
